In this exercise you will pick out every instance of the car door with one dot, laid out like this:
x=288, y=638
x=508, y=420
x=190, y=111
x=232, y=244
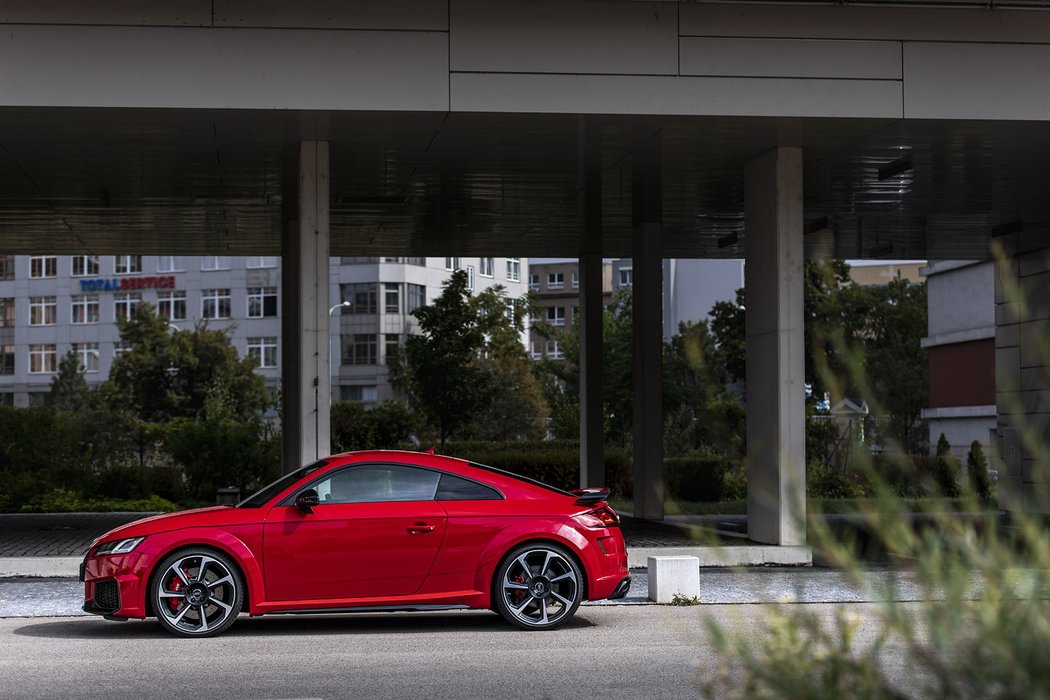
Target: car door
x=375, y=534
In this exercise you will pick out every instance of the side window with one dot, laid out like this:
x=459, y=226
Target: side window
x=378, y=483
x=454, y=488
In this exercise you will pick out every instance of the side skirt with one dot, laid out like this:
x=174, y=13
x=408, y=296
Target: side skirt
x=371, y=608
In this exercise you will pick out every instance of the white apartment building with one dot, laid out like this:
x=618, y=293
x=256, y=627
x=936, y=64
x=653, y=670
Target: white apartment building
x=52, y=304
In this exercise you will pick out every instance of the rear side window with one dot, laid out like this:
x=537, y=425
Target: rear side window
x=454, y=488
x=377, y=484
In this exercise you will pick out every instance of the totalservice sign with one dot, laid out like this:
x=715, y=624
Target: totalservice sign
x=123, y=284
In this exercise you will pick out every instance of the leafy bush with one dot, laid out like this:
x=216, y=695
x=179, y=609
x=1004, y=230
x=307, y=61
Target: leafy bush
x=64, y=501
x=977, y=473
x=824, y=482
x=696, y=478
x=389, y=425
x=556, y=463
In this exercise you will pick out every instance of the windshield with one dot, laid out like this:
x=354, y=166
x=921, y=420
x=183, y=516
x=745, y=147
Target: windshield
x=260, y=497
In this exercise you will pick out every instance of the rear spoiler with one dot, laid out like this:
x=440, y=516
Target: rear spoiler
x=587, y=497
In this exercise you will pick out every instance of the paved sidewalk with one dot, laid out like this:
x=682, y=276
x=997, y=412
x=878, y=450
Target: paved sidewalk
x=56, y=534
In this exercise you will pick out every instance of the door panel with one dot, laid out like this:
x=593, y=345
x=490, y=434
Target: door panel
x=351, y=550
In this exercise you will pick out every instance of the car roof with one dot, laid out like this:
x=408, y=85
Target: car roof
x=504, y=480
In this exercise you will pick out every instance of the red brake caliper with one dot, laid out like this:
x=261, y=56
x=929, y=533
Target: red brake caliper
x=176, y=586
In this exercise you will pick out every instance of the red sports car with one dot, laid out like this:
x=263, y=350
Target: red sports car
x=366, y=531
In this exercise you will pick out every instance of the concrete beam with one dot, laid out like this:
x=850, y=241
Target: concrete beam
x=647, y=205
x=306, y=374
x=776, y=415
x=592, y=413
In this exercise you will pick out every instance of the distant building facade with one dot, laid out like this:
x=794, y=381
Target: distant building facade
x=960, y=347
x=50, y=305
x=555, y=290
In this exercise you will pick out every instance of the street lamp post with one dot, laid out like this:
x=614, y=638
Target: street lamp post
x=317, y=389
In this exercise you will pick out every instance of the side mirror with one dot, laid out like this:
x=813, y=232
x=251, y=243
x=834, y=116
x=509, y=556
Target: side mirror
x=306, y=500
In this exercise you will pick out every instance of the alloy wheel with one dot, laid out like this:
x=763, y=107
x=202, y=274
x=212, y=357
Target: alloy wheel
x=540, y=588
x=197, y=594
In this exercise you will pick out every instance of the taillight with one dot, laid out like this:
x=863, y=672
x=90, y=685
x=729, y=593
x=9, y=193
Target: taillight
x=600, y=517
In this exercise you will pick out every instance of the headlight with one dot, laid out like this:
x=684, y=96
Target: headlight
x=118, y=546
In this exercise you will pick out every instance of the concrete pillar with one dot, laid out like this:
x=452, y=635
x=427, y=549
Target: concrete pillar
x=1022, y=368
x=647, y=308
x=592, y=414
x=776, y=413
x=306, y=377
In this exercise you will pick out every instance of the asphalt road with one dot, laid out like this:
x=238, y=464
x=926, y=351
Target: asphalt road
x=609, y=652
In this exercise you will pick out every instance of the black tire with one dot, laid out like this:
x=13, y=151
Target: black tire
x=538, y=586
x=207, y=576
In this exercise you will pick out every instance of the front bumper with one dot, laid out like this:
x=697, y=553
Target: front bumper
x=113, y=584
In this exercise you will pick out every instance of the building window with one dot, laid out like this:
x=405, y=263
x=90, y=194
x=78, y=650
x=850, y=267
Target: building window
x=486, y=267
x=87, y=355
x=626, y=276
x=170, y=263
x=264, y=350
x=537, y=350
x=85, y=308
x=43, y=266
x=42, y=359
x=554, y=351
x=362, y=297
x=451, y=263
x=360, y=349
x=575, y=313
x=575, y=280
x=556, y=280
x=417, y=297
x=556, y=315
x=84, y=265
x=215, y=303
x=171, y=305
x=534, y=282
x=419, y=262
x=361, y=394
x=121, y=347
x=392, y=346
x=126, y=305
x=43, y=311
x=260, y=262
x=262, y=302
x=470, y=277
x=127, y=264
x=7, y=267
x=514, y=269
x=392, y=298
x=215, y=262
x=7, y=312
x=7, y=359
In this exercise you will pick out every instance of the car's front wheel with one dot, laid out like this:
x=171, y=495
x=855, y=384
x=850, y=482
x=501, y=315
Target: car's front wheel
x=197, y=593
x=539, y=586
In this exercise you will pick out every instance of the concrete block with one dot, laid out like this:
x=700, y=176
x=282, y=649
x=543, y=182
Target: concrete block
x=670, y=576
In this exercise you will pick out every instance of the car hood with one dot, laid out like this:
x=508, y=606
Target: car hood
x=212, y=516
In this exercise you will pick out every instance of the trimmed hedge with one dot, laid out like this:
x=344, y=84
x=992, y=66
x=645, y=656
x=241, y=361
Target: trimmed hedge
x=697, y=478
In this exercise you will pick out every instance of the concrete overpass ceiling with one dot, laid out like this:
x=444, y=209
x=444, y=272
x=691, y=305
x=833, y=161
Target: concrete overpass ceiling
x=210, y=181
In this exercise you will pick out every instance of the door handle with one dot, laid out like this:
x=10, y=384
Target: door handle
x=419, y=529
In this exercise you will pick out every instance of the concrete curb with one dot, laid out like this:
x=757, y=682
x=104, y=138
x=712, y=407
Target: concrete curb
x=40, y=567
x=750, y=555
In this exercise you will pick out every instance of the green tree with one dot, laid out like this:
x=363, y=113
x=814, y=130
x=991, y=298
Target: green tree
x=166, y=375
x=860, y=341
x=693, y=379
x=69, y=389
x=467, y=369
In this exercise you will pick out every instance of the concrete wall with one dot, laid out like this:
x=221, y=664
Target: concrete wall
x=1022, y=364
x=554, y=56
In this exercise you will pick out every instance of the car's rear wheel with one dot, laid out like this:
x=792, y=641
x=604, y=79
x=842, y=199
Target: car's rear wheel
x=197, y=593
x=539, y=586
